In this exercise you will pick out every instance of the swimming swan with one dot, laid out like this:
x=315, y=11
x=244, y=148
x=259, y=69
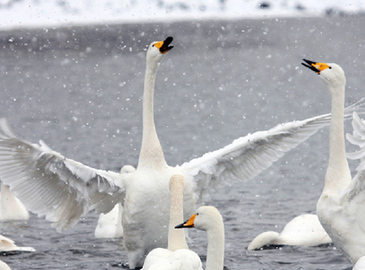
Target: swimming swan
x=4, y=266
x=304, y=230
x=209, y=219
x=177, y=256
x=341, y=206
x=360, y=264
x=110, y=224
x=10, y=206
x=64, y=190
x=8, y=245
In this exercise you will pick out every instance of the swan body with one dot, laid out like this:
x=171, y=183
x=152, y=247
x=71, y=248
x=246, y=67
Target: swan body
x=304, y=230
x=8, y=245
x=77, y=189
x=177, y=256
x=4, y=266
x=360, y=264
x=209, y=219
x=110, y=224
x=341, y=206
x=10, y=206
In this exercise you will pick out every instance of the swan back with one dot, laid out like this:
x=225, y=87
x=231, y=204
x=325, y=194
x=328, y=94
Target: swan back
x=360, y=264
x=4, y=266
x=6, y=244
x=10, y=206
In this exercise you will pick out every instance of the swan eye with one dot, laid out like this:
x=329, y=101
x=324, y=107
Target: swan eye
x=153, y=45
x=330, y=67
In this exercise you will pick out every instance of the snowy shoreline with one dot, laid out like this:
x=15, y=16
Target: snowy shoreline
x=31, y=14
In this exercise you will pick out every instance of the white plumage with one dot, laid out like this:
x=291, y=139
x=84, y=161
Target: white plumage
x=304, y=230
x=4, y=266
x=177, y=256
x=110, y=224
x=10, y=206
x=341, y=206
x=8, y=245
x=208, y=218
x=360, y=264
x=64, y=190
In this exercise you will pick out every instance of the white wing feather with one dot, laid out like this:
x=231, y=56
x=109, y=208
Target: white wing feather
x=51, y=185
x=247, y=156
x=357, y=138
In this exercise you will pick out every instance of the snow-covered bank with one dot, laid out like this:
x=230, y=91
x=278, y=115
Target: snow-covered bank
x=49, y=13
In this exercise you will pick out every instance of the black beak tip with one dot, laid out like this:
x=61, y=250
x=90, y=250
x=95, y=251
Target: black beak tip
x=166, y=45
x=168, y=40
x=179, y=226
x=309, y=64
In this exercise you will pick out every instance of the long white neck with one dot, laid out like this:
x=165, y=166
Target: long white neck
x=215, y=253
x=176, y=239
x=151, y=151
x=338, y=175
x=263, y=239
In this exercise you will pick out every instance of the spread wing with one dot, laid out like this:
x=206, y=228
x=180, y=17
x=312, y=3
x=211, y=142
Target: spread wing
x=357, y=138
x=355, y=192
x=247, y=156
x=53, y=186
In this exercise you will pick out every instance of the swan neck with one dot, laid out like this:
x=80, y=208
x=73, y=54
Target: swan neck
x=151, y=151
x=264, y=239
x=338, y=173
x=215, y=253
x=176, y=239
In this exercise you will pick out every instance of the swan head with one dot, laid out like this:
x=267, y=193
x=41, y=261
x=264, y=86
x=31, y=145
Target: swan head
x=158, y=48
x=332, y=74
x=205, y=218
x=127, y=169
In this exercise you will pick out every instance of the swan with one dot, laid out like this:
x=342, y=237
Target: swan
x=341, y=206
x=304, y=230
x=177, y=256
x=110, y=224
x=4, y=266
x=209, y=219
x=360, y=264
x=64, y=190
x=10, y=207
x=8, y=245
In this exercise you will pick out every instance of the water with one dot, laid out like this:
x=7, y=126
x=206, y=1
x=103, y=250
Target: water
x=79, y=90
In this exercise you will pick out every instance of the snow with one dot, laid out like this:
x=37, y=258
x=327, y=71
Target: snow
x=51, y=13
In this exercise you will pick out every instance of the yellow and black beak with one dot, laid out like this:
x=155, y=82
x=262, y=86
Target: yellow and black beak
x=315, y=66
x=187, y=224
x=164, y=46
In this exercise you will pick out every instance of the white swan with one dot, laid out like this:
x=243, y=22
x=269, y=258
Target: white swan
x=8, y=245
x=4, y=266
x=64, y=190
x=209, y=219
x=304, y=230
x=110, y=224
x=177, y=256
x=360, y=264
x=341, y=206
x=10, y=207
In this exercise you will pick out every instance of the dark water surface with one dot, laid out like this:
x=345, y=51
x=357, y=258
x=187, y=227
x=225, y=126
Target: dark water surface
x=79, y=89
